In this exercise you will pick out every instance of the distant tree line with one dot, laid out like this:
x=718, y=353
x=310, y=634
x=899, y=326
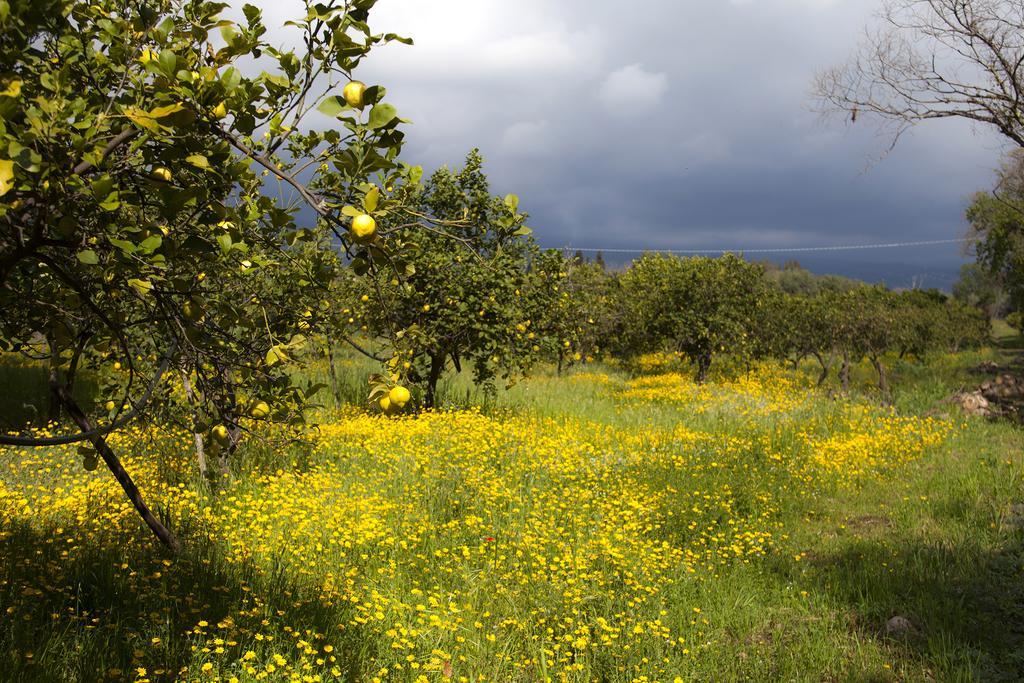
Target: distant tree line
x=504, y=309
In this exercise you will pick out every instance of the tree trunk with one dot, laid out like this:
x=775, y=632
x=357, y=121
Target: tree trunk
x=883, y=380
x=844, y=373
x=196, y=434
x=114, y=465
x=826, y=366
x=436, y=368
x=331, y=370
x=234, y=431
x=53, y=405
x=703, y=365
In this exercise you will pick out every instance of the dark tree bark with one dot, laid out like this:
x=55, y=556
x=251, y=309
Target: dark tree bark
x=703, y=365
x=53, y=405
x=883, y=379
x=826, y=367
x=844, y=373
x=437, y=361
x=117, y=469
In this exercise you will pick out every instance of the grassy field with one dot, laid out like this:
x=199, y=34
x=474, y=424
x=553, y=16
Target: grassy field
x=598, y=526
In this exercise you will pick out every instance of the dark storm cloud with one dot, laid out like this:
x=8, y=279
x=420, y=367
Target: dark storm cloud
x=673, y=124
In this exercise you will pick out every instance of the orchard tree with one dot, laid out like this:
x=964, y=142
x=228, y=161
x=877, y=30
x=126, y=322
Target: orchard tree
x=868, y=326
x=920, y=322
x=963, y=327
x=809, y=327
x=552, y=310
x=997, y=220
x=137, y=236
x=462, y=295
x=977, y=286
x=594, y=312
x=698, y=306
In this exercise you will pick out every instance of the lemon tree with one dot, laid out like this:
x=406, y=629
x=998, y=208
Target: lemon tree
x=466, y=293
x=697, y=306
x=139, y=236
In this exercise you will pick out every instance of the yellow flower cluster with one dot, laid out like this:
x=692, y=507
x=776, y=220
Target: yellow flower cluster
x=451, y=545
x=764, y=390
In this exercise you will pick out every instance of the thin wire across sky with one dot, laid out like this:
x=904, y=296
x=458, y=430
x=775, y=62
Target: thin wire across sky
x=778, y=250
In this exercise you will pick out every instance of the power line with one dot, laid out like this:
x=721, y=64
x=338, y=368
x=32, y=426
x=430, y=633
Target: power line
x=778, y=250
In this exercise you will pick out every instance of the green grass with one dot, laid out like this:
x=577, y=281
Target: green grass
x=934, y=540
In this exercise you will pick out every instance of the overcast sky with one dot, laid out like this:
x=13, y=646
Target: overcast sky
x=675, y=124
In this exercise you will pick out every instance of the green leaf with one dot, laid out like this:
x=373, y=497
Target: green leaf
x=101, y=187
x=512, y=201
x=142, y=119
x=251, y=12
x=143, y=287
x=415, y=174
x=381, y=115
x=151, y=244
x=12, y=89
x=332, y=106
x=6, y=176
x=231, y=79
x=224, y=240
x=168, y=62
x=88, y=257
x=275, y=355
x=350, y=211
x=313, y=389
x=371, y=199
x=228, y=33
x=165, y=111
x=198, y=160
x=124, y=245
x=279, y=81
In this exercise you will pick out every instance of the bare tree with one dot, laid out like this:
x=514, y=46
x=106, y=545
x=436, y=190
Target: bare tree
x=933, y=59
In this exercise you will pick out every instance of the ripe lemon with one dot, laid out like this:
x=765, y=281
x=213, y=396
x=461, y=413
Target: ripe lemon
x=109, y=405
x=259, y=410
x=364, y=227
x=353, y=93
x=220, y=435
x=399, y=396
x=384, y=403
x=220, y=111
x=163, y=174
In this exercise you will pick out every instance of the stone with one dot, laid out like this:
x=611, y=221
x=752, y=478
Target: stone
x=972, y=403
x=898, y=626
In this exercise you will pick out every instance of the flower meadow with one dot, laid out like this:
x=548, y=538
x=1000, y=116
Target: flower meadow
x=464, y=545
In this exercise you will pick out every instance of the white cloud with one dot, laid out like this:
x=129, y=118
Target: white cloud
x=484, y=40
x=631, y=89
x=704, y=124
